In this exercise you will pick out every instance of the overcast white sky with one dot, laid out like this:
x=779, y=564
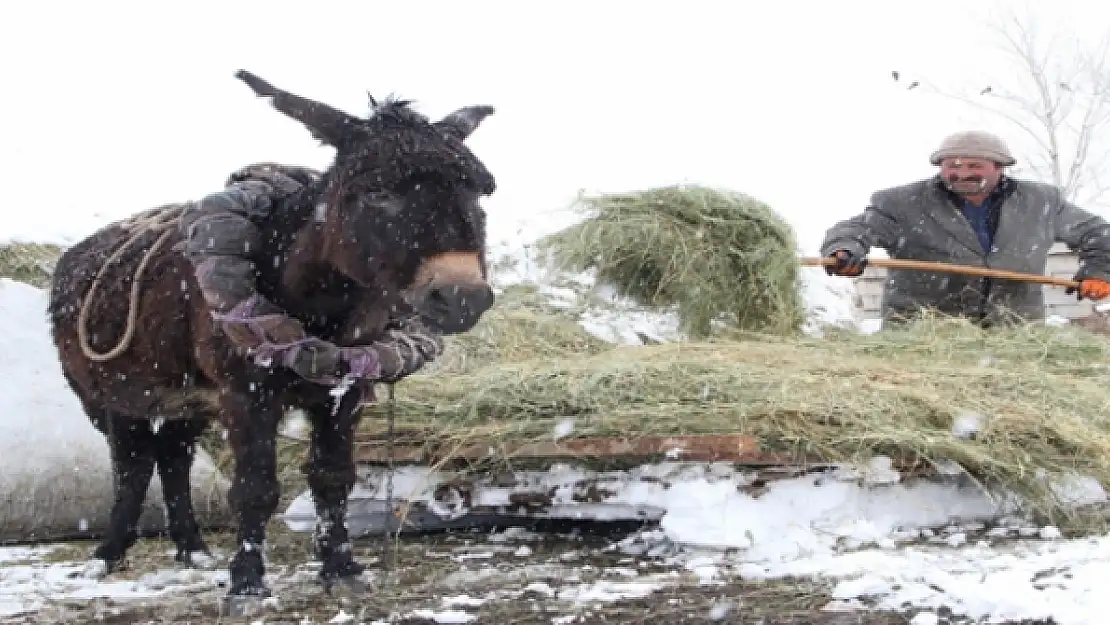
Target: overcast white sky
x=112, y=107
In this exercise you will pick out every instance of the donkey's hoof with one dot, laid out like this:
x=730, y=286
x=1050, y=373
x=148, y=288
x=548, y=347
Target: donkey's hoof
x=345, y=575
x=342, y=569
x=248, y=573
x=196, y=559
x=95, y=568
x=249, y=588
x=345, y=586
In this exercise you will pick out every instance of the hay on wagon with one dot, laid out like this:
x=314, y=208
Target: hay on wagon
x=32, y=263
x=719, y=257
x=522, y=326
x=1041, y=392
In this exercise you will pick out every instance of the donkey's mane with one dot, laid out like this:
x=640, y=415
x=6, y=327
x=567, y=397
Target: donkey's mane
x=396, y=110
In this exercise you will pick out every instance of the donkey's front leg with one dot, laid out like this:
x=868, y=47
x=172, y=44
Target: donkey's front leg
x=331, y=475
x=252, y=421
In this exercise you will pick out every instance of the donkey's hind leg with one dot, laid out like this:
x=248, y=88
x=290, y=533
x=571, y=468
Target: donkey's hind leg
x=176, y=446
x=132, y=446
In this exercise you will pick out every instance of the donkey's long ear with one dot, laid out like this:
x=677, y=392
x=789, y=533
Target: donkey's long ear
x=327, y=124
x=464, y=121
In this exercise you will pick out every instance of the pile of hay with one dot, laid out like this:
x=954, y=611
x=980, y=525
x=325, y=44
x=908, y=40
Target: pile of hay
x=1042, y=392
x=522, y=326
x=713, y=255
x=32, y=263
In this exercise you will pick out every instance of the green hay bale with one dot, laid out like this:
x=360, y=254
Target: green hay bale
x=32, y=263
x=1042, y=391
x=714, y=255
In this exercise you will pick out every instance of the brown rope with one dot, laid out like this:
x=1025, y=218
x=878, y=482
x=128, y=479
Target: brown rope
x=163, y=219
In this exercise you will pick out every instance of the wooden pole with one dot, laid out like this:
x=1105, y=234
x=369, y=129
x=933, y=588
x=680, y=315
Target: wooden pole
x=967, y=270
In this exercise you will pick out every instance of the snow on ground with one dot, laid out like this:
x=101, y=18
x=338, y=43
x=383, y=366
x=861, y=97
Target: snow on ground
x=26, y=582
x=887, y=542
x=1035, y=579
x=713, y=505
x=891, y=545
x=882, y=543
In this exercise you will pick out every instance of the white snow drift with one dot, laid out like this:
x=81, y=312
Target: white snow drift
x=55, y=469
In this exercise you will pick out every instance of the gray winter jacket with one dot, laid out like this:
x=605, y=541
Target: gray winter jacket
x=923, y=221
x=220, y=231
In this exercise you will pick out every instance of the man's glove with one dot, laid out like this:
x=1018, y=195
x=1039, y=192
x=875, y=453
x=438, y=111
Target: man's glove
x=847, y=264
x=1090, y=288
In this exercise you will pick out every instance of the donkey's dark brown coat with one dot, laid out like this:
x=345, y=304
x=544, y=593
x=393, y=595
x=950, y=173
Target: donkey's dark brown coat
x=393, y=225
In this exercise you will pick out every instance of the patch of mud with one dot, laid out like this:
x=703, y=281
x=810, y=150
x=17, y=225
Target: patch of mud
x=514, y=576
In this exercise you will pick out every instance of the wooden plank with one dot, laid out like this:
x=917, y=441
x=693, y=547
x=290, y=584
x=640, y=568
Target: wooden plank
x=739, y=449
x=735, y=448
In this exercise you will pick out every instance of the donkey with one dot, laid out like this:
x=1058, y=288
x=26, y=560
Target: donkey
x=394, y=225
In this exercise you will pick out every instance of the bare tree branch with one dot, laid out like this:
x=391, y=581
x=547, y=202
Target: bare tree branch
x=1059, y=98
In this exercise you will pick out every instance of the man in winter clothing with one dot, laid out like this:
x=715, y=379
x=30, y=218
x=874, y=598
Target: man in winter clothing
x=971, y=213
x=220, y=238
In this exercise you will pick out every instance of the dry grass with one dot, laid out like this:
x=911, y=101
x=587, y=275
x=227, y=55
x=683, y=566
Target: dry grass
x=714, y=255
x=1043, y=393
x=32, y=263
x=520, y=327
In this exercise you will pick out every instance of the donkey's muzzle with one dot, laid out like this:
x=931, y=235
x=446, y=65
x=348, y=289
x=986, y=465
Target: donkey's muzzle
x=453, y=309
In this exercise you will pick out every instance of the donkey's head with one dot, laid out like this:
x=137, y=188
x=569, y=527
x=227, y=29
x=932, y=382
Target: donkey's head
x=399, y=210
